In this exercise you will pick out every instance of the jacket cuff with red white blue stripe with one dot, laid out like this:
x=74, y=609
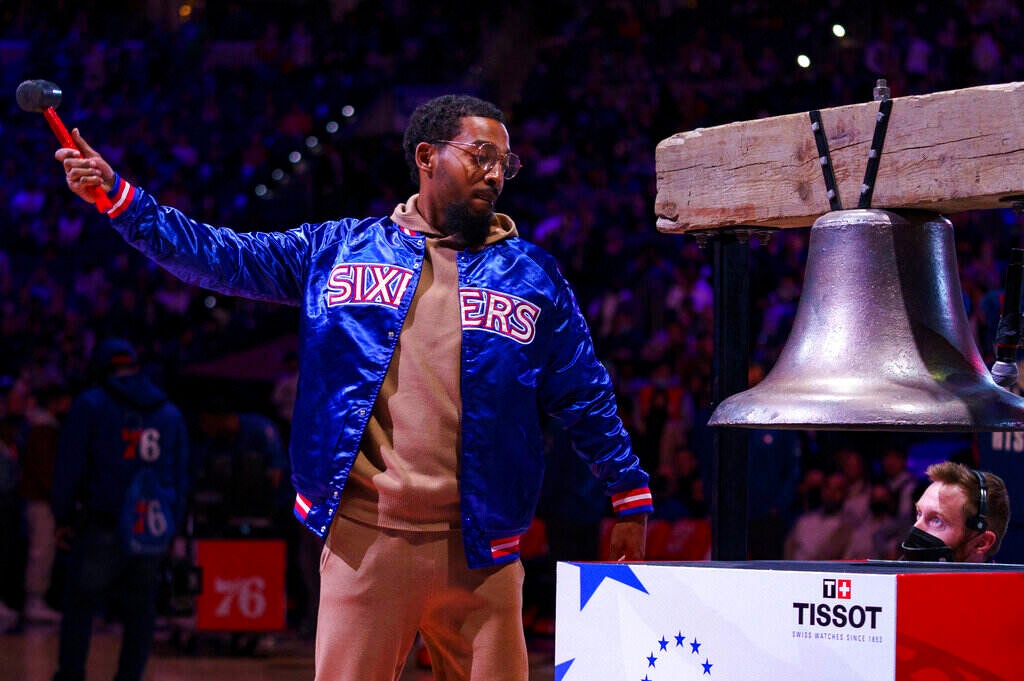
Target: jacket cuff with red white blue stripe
x=120, y=196
x=505, y=549
x=301, y=507
x=633, y=501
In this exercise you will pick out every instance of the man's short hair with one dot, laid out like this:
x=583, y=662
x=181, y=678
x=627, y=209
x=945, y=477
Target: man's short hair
x=439, y=119
x=997, y=500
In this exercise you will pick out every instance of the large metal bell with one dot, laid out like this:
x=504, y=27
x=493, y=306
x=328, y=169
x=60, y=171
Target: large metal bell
x=880, y=340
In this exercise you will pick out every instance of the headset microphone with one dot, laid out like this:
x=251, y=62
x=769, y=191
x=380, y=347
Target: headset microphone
x=980, y=521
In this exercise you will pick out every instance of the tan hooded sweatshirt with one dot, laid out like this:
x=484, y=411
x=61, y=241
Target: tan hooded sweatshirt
x=405, y=475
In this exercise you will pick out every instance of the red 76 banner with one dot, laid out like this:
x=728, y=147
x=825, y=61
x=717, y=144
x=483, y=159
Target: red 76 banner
x=243, y=585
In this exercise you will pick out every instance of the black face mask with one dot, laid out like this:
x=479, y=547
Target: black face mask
x=919, y=545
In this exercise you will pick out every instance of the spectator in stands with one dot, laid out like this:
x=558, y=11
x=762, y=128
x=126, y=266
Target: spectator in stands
x=773, y=467
x=241, y=470
x=11, y=549
x=37, y=464
x=904, y=485
x=686, y=484
x=878, y=534
x=858, y=494
x=821, y=534
x=283, y=395
x=808, y=498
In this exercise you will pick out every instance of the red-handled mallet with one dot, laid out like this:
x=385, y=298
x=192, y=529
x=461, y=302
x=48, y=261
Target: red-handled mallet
x=42, y=96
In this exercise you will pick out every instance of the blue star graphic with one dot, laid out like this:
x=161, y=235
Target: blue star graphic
x=679, y=639
x=562, y=668
x=663, y=643
x=695, y=646
x=707, y=666
x=651, y=660
x=592, y=574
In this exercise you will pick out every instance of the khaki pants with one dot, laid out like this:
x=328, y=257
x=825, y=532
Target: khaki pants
x=379, y=587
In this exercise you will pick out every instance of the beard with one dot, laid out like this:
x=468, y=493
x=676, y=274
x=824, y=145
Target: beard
x=474, y=227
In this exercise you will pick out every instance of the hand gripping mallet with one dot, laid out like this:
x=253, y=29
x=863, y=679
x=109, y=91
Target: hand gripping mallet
x=42, y=96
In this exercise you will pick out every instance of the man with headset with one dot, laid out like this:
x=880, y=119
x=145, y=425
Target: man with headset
x=961, y=516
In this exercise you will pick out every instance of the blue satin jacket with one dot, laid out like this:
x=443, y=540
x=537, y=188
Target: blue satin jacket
x=526, y=350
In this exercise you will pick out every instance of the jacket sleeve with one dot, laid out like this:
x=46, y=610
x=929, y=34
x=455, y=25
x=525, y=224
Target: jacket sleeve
x=267, y=266
x=576, y=391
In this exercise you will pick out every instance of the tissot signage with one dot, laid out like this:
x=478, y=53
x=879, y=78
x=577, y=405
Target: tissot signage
x=837, y=609
x=670, y=622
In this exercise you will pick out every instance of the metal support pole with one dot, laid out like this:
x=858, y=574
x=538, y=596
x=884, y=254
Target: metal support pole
x=729, y=375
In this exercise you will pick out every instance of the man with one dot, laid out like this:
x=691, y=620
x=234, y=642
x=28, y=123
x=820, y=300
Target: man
x=37, y=462
x=821, y=533
x=119, y=491
x=11, y=546
x=879, y=534
x=905, y=485
x=961, y=517
x=240, y=467
x=431, y=341
x=999, y=452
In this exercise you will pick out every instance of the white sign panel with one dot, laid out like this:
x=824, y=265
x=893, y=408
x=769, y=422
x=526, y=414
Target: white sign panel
x=639, y=622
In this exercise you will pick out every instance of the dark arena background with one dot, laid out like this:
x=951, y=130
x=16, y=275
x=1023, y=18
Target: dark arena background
x=266, y=114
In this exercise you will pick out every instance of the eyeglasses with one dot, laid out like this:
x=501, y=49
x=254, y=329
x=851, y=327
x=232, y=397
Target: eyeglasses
x=487, y=155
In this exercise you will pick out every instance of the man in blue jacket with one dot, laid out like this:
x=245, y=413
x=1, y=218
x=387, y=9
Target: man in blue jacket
x=431, y=341
x=119, y=491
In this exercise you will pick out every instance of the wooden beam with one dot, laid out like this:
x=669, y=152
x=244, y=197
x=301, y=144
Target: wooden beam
x=944, y=152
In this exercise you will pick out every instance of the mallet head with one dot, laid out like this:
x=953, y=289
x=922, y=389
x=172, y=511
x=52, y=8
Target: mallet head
x=38, y=95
